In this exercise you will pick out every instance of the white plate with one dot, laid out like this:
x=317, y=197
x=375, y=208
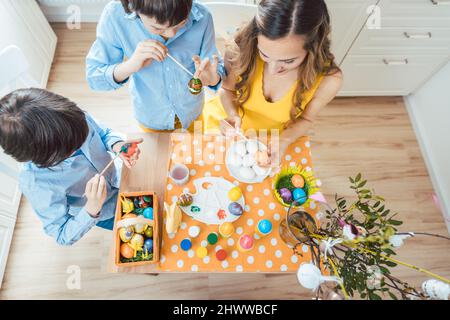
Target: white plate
x=234, y=171
x=211, y=200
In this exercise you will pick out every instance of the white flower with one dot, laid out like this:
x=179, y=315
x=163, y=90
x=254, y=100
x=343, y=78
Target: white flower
x=347, y=232
x=397, y=239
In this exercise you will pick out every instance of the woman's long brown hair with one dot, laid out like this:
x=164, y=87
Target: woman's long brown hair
x=277, y=19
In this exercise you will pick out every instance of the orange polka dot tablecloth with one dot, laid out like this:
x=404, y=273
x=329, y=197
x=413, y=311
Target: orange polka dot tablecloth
x=270, y=254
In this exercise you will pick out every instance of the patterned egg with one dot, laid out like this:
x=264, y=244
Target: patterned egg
x=137, y=241
x=247, y=173
x=235, y=194
x=126, y=234
x=140, y=228
x=148, y=232
x=235, y=209
x=126, y=251
x=298, y=181
x=285, y=194
x=195, y=86
x=248, y=160
x=185, y=200
x=148, y=213
x=300, y=195
x=148, y=246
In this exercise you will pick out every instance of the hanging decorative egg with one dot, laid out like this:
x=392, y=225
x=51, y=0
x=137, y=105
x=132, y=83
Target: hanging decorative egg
x=236, y=160
x=126, y=251
x=285, y=194
x=148, y=213
x=298, y=181
x=148, y=246
x=235, y=209
x=300, y=195
x=248, y=160
x=126, y=234
x=137, y=241
x=140, y=228
x=149, y=232
x=195, y=86
x=235, y=194
x=185, y=200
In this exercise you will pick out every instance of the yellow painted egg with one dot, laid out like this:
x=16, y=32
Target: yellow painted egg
x=140, y=228
x=235, y=194
x=298, y=181
x=126, y=251
x=126, y=234
x=137, y=241
x=149, y=232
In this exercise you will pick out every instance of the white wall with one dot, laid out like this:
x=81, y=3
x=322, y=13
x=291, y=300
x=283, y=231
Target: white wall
x=429, y=108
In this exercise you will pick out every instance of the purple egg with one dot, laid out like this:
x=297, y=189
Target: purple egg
x=235, y=209
x=285, y=194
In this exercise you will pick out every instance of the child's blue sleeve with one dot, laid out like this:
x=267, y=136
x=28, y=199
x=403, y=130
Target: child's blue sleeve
x=60, y=221
x=209, y=49
x=109, y=137
x=105, y=54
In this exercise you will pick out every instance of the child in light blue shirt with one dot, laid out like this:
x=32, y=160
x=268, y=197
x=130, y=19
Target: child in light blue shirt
x=146, y=31
x=63, y=150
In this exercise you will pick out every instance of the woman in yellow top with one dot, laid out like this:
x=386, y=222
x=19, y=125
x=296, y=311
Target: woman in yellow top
x=281, y=72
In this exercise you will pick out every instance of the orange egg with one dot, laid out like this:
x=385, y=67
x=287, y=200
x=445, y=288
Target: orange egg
x=298, y=181
x=128, y=216
x=126, y=251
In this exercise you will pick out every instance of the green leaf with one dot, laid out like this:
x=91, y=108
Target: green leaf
x=351, y=179
x=392, y=296
x=362, y=184
x=358, y=177
x=394, y=222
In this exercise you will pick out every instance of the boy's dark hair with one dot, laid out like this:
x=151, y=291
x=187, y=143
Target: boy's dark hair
x=40, y=126
x=164, y=11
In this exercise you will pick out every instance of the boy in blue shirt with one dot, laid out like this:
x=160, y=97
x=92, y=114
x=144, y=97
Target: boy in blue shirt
x=63, y=150
x=145, y=31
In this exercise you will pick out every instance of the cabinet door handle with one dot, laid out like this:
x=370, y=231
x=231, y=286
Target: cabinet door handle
x=395, y=62
x=440, y=2
x=418, y=35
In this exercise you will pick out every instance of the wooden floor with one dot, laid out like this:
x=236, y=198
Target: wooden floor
x=368, y=135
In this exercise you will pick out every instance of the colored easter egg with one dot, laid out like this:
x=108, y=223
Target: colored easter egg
x=126, y=251
x=185, y=200
x=129, y=216
x=245, y=242
x=127, y=205
x=221, y=255
x=235, y=209
x=149, y=232
x=148, y=213
x=195, y=86
x=137, y=241
x=148, y=246
x=264, y=226
x=299, y=195
x=285, y=194
x=226, y=229
x=235, y=194
x=126, y=234
x=149, y=200
x=140, y=228
x=298, y=181
x=186, y=244
x=195, y=209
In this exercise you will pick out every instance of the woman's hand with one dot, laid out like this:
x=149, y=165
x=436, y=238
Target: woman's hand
x=230, y=125
x=207, y=71
x=96, y=195
x=130, y=158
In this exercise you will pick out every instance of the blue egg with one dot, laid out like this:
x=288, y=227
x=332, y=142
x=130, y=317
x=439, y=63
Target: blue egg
x=148, y=213
x=148, y=245
x=186, y=244
x=300, y=195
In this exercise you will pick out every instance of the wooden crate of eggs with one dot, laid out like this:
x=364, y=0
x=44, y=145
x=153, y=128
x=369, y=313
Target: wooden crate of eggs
x=137, y=229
